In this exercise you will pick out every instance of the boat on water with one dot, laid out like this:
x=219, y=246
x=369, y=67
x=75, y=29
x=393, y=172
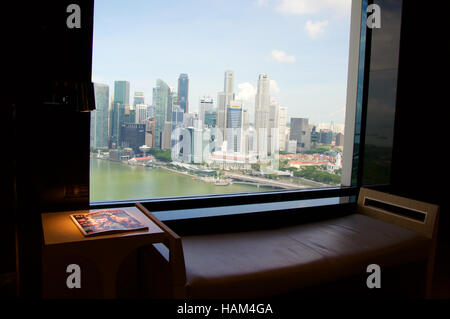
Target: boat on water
x=222, y=183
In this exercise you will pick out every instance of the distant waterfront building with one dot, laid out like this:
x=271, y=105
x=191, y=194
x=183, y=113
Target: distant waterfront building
x=274, y=128
x=163, y=110
x=183, y=92
x=301, y=133
x=138, y=98
x=129, y=115
x=206, y=104
x=223, y=101
x=141, y=113
x=99, y=117
x=234, y=127
x=166, y=137
x=132, y=136
x=120, y=101
x=282, y=120
x=262, y=110
x=211, y=118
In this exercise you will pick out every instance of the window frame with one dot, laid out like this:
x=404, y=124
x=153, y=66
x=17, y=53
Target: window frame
x=347, y=188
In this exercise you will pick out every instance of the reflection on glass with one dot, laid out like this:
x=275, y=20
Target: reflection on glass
x=382, y=92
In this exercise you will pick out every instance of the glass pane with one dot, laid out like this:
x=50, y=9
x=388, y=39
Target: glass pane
x=209, y=97
x=382, y=94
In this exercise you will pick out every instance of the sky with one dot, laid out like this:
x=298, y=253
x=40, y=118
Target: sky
x=302, y=45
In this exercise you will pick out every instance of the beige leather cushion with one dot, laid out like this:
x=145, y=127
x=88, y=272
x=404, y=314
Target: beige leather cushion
x=264, y=263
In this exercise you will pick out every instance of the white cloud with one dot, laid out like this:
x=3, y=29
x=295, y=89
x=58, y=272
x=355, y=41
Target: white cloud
x=274, y=89
x=314, y=6
x=262, y=3
x=315, y=29
x=282, y=57
x=246, y=91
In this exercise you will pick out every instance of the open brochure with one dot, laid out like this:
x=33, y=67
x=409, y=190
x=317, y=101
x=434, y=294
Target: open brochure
x=106, y=221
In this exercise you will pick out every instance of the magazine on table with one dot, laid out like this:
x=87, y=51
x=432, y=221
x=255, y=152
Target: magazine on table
x=106, y=222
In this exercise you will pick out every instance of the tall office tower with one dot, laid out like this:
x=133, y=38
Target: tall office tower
x=121, y=99
x=138, y=98
x=282, y=120
x=183, y=92
x=150, y=111
x=315, y=136
x=211, y=118
x=132, y=136
x=99, y=117
x=223, y=102
x=245, y=131
x=141, y=113
x=301, y=133
x=234, y=127
x=163, y=110
x=274, y=128
x=326, y=137
x=206, y=105
x=129, y=115
x=339, y=139
x=177, y=123
x=262, y=109
x=166, y=136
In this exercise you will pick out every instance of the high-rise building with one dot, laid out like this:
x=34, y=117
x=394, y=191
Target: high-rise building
x=99, y=117
x=206, y=104
x=234, y=128
x=163, y=110
x=339, y=139
x=211, y=118
x=141, y=113
x=282, y=120
x=315, y=136
x=223, y=102
x=326, y=137
x=132, y=136
x=273, y=134
x=138, y=98
x=262, y=109
x=117, y=116
x=183, y=92
x=301, y=133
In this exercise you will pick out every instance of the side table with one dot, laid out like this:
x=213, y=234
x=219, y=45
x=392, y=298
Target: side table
x=98, y=257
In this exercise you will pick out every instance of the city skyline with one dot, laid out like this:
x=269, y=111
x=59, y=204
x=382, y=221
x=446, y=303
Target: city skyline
x=162, y=41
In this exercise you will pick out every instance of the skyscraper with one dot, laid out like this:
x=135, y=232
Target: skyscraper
x=138, y=98
x=282, y=120
x=301, y=133
x=163, y=110
x=234, y=127
x=183, y=92
x=262, y=109
x=223, y=101
x=274, y=128
x=141, y=113
x=99, y=117
x=121, y=100
x=206, y=105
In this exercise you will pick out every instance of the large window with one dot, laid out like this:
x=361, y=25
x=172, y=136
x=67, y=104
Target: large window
x=211, y=97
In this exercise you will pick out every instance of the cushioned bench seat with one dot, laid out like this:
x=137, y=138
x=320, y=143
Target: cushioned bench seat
x=386, y=230
x=252, y=264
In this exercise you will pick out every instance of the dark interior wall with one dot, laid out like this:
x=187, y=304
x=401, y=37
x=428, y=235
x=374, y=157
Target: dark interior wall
x=419, y=166
x=50, y=145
